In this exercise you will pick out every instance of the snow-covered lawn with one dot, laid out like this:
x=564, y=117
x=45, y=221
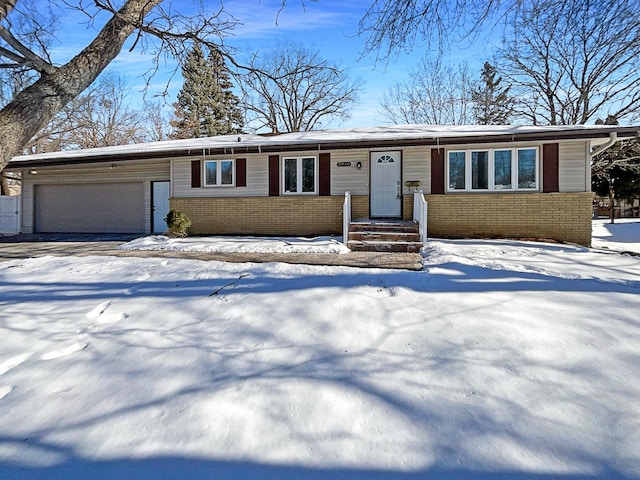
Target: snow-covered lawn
x=235, y=244
x=622, y=236
x=500, y=359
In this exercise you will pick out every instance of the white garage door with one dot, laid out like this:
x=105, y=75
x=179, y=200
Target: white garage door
x=89, y=208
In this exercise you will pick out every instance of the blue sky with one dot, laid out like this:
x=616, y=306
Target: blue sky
x=328, y=26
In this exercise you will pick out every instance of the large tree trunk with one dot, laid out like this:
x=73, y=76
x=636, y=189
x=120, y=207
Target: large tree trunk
x=33, y=107
x=5, y=7
x=4, y=186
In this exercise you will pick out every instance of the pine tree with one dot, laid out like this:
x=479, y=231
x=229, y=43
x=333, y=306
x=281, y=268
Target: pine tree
x=206, y=104
x=492, y=105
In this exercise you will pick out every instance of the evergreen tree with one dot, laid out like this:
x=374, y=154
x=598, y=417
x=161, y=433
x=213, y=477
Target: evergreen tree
x=492, y=105
x=206, y=104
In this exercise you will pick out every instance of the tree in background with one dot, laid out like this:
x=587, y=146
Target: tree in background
x=157, y=126
x=206, y=103
x=569, y=61
x=392, y=27
x=23, y=25
x=615, y=173
x=292, y=89
x=492, y=104
x=575, y=63
x=100, y=117
x=433, y=94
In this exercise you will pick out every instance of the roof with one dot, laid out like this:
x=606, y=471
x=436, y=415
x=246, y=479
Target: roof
x=371, y=137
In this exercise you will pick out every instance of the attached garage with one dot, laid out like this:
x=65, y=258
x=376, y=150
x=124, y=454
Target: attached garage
x=89, y=208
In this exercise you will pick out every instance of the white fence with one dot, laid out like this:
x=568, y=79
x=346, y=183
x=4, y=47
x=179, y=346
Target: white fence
x=9, y=215
x=420, y=214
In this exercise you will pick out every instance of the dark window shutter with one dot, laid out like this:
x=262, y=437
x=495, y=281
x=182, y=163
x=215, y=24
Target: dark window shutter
x=196, y=174
x=550, y=157
x=274, y=175
x=241, y=172
x=324, y=175
x=437, y=170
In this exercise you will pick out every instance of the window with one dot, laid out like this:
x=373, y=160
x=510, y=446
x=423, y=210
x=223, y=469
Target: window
x=457, y=172
x=502, y=169
x=490, y=170
x=218, y=173
x=385, y=159
x=527, y=169
x=299, y=175
x=479, y=170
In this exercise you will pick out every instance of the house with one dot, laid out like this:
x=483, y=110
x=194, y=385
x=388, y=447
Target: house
x=485, y=181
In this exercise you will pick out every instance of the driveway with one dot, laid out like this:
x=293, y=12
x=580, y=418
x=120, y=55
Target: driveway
x=38, y=245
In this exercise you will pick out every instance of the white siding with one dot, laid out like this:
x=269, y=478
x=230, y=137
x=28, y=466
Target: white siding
x=416, y=165
x=350, y=179
x=574, y=169
x=257, y=179
x=342, y=178
x=93, y=173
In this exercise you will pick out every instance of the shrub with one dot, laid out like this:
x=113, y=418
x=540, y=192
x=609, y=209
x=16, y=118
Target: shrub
x=178, y=224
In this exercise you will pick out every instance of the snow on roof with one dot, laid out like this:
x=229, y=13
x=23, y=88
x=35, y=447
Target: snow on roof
x=428, y=133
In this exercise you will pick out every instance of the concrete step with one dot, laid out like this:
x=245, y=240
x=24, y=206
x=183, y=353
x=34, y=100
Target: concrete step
x=384, y=236
x=382, y=246
x=373, y=226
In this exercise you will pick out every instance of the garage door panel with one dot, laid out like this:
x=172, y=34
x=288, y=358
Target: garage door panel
x=90, y=208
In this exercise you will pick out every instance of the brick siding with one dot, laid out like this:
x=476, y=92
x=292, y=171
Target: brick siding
x=556, y=216
x=299, y=216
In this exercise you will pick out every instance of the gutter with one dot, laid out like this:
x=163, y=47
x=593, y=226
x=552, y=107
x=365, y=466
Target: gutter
x=239, y=149
x=613, y=138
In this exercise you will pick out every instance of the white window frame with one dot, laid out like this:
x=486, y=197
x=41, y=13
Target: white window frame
x=298, y=160
x=491, y=173
x=219, y=173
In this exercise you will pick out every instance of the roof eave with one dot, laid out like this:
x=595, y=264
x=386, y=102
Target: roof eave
x=578, y=134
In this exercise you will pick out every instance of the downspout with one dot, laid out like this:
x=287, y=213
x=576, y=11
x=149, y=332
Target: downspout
x=613, y=138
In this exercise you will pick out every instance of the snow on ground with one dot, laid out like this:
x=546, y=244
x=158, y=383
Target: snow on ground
x=500, y=359
x=622, y=236
x=247, y=244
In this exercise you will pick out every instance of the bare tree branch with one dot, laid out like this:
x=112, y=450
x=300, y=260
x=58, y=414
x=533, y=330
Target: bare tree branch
x=434, y=94
x=291, y=89
x=576, y=63
x=5, y=8
x=24, y=56
x=162, y=32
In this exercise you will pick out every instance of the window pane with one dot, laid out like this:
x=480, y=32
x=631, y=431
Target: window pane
x=480, y=170
x=226, y=170
x=456, y=170
x=308, y=174
x=290, y=174
x=502, y=168
x=211, y=173
x=527, y=168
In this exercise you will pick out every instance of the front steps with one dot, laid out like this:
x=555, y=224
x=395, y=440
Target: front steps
x=384, y=236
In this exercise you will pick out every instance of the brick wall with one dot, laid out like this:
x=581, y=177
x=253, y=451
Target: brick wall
x=558, y=216
x=299, y=216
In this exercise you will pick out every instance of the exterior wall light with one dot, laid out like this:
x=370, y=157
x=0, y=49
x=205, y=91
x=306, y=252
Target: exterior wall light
x=359, y=165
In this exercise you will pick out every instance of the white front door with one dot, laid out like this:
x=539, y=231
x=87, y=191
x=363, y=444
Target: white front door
x=160, y=199
x=386, y=188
